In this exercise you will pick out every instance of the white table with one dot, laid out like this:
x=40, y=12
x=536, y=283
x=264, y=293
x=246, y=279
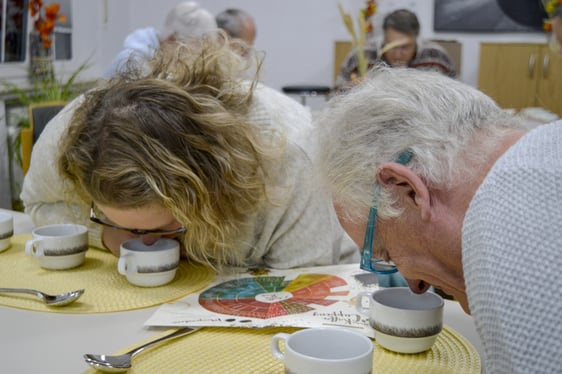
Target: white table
x=38, y=342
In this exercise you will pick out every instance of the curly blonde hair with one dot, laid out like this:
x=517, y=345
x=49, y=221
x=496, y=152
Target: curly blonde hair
x=174, y=132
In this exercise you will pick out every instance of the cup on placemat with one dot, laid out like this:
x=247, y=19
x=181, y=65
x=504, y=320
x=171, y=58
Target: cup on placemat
x=404, y=322
x=324, y=350
x=149, y=265
x=6, y=230
x=59, y=246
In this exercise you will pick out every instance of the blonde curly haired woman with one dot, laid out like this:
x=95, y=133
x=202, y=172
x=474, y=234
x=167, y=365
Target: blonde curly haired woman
x=189, y=149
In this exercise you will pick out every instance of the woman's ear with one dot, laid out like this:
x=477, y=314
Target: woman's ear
x=408, y=187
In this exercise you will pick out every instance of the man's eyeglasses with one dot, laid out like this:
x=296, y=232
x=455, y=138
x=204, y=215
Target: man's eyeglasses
x=94, y=218
x=378, y=265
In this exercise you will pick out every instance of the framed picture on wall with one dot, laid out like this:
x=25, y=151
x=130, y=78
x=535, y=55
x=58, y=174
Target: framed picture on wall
x=488, y=15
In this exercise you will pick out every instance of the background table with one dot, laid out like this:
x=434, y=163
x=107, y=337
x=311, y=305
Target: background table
x=36, y=342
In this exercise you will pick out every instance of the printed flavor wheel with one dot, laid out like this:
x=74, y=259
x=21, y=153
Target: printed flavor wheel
x=269, y=297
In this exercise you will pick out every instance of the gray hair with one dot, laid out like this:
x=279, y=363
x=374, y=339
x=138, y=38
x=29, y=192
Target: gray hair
x=449, y=127
x=187, y=20
x=232, y=21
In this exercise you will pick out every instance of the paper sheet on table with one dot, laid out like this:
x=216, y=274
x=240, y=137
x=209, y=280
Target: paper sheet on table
x=305, y=297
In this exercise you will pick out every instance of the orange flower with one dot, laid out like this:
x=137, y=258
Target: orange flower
x=369, y=10
x=45, y=24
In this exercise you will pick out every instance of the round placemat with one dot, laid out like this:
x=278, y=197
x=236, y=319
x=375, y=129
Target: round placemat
x=106, y=289
x=242, y=350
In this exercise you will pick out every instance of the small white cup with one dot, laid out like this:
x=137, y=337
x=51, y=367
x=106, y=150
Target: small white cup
x=6, y=230
x=58, y=246
x=324, y=350
x=403, y=321
x=149, y=265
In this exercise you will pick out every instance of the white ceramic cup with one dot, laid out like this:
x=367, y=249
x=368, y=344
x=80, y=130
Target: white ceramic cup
x=404, y=322
x=6, y=230
x=149, y=265
x=324, y=350
x=58, y=246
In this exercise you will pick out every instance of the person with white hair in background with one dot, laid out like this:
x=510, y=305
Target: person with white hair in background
x=237, y=24
x=184, y=21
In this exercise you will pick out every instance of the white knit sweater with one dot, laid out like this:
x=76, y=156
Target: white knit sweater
x=302, y=230
x=512, y=256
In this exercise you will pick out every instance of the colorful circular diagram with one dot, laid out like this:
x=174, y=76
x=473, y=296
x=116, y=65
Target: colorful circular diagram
x=269, y=297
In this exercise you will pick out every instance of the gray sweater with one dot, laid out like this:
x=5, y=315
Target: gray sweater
x=300, y=230
x=512, y=256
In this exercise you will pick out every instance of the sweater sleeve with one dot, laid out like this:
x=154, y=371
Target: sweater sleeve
x=304, y=229
x=433, y=57
x=47, y=196
x=512, y=256
x=300, y=227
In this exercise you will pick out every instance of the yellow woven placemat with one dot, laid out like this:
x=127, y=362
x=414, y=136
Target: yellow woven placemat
x=106, y=289
x=240, y=350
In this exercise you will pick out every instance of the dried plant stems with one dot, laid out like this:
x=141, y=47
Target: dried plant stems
x=357, y=39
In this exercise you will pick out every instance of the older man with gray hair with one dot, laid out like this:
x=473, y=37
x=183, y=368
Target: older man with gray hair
x=237, y=24
x=431, y=176
x=186, y=20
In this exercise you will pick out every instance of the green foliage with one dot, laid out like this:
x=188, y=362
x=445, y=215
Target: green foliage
x=47, y=88
x=43, y=89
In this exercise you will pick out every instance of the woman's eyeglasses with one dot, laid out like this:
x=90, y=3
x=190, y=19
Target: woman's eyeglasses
x=378, y=265
x=94, y=218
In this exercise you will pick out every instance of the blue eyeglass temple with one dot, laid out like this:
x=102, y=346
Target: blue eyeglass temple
x=378, y=265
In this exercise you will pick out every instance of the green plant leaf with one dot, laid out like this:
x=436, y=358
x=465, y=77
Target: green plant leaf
x=48, y=88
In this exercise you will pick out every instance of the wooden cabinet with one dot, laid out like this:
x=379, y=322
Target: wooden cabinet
x=521, y=75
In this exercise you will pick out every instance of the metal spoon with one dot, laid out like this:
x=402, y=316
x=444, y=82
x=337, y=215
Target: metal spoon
x=50, y=300
x=121, y=363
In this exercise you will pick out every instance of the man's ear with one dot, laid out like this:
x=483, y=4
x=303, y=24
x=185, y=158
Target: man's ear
x=409, y=188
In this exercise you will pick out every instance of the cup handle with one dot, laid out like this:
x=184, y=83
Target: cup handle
x=275, y=345
x=359, y=302
x=31, y=249
x=126, y=264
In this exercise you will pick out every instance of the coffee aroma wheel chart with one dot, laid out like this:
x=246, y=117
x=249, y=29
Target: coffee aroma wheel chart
x=269, y=297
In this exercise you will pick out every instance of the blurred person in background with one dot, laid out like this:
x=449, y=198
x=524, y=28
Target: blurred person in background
x=183, y=22
x=400, y=47
x=237, y=24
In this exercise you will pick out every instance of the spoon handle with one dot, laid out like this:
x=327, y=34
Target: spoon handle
x=176, y=334
x=20, y=290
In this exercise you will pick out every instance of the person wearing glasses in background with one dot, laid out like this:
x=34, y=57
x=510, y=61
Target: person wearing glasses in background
x=190, y=150
x=430, y=175
x=400, y=47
